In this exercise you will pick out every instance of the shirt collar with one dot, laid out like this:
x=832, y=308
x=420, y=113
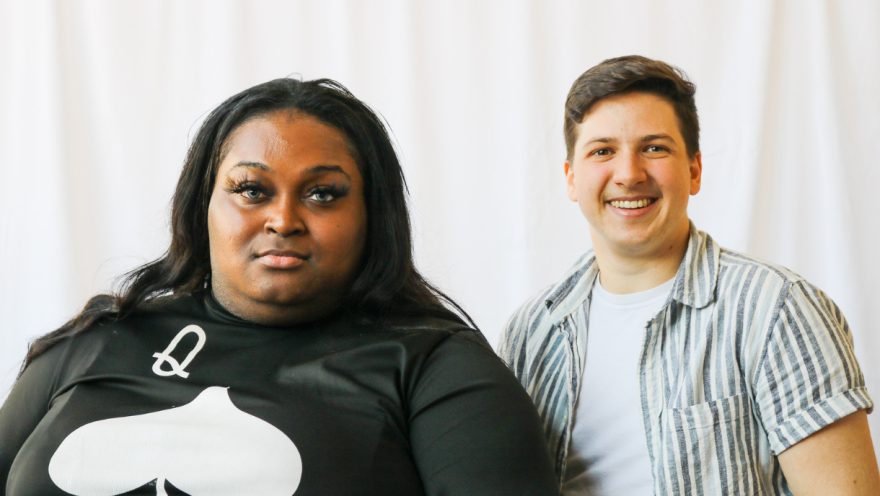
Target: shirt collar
x=698, y=273
x=694, y=284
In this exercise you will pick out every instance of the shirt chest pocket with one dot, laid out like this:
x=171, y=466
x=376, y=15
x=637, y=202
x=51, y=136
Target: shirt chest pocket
x=717, y=442
x=710, y=413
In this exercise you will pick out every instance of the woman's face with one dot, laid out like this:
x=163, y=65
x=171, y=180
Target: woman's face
x=287, y=221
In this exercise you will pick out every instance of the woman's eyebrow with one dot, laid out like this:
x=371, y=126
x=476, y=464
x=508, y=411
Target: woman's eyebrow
x=318, y=169
x=252, y=165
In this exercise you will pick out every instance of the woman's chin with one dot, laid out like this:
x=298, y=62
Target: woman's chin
x=285, y=308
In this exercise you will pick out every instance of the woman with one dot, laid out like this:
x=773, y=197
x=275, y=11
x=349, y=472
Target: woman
x=284, y=344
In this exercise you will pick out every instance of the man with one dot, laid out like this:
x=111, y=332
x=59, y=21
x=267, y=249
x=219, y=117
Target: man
x=662, y=363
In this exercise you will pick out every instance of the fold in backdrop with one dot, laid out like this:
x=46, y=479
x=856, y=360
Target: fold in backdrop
x=98, y=100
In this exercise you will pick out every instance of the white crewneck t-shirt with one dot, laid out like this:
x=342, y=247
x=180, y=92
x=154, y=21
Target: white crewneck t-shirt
x=609, y=454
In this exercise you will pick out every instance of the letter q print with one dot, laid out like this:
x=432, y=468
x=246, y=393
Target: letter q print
x=165, y=356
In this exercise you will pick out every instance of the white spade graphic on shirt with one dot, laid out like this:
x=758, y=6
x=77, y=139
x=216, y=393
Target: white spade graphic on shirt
x=207, y=447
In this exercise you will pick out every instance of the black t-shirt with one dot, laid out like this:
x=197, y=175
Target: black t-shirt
x=185, y=398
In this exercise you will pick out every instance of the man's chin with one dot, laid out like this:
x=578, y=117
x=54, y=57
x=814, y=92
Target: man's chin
x=638, y=248
x=626, y=241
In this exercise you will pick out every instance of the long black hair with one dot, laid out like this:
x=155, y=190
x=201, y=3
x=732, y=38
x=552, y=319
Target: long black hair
x=388, y=282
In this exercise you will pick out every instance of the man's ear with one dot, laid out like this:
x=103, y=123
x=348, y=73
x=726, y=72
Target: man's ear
x=696, y=169
x=569, y=182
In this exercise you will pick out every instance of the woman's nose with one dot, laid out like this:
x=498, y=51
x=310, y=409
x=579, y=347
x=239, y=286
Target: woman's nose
x=284, y=217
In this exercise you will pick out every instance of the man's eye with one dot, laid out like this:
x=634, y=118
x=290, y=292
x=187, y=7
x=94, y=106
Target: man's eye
x=656, y=149
x=602, y=152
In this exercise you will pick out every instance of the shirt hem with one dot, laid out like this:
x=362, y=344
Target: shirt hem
x=822, y=414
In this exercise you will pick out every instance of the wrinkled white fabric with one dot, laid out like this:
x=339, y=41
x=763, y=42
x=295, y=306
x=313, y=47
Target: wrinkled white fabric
x=98, y=100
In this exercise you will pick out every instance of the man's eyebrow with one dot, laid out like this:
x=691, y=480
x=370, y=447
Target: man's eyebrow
x=652, y=137
x=602, y=139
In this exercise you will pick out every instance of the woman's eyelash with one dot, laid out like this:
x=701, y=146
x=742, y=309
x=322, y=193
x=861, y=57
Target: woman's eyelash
x=321, y=193
x=333, y=190
x=238, y=186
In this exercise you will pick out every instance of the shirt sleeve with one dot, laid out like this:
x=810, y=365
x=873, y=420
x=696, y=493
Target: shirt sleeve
x=519, y=329
x=473, y=428
x=809, y=376
x=25, y=407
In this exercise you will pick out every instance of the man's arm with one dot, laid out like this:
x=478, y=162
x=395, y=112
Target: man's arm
x=837, y=460
x=811, y=397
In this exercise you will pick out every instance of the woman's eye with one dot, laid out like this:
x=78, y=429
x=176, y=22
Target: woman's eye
x=326, y=194
x=251, y=193
x=322, y=196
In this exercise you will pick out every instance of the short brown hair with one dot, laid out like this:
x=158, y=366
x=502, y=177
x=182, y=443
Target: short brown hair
x=630, y=74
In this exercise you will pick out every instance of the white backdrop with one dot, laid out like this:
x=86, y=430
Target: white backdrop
x=99, y=98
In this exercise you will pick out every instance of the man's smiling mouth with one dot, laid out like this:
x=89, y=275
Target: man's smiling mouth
x=632, y=204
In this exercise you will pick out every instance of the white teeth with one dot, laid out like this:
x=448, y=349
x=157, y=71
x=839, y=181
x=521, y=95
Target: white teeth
x=631, y=204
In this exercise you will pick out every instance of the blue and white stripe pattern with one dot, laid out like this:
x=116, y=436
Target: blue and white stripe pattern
x=744, y=360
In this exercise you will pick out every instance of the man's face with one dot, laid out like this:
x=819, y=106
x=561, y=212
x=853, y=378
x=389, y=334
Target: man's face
x=631, y=176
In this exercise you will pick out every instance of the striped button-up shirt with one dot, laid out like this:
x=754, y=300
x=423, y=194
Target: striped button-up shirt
x=744, y=360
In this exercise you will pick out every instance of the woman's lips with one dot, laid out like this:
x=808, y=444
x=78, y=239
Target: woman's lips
x=281, y=260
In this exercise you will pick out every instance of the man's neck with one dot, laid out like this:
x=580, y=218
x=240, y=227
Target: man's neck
x=626, y=273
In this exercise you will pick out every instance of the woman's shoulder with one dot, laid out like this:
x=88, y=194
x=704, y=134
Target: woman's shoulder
x=111, y=325
x=436, y=328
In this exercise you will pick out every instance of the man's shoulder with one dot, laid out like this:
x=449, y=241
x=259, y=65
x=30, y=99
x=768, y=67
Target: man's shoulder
x=737, y=264
x=552, y=300
x=532, y=309
x=711, y=271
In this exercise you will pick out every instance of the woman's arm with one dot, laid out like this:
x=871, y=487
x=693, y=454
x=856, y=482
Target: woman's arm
x=24, y=408
x=837, y=460
x=473, y=428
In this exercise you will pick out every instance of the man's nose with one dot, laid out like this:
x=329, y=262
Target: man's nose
x=629, y=169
